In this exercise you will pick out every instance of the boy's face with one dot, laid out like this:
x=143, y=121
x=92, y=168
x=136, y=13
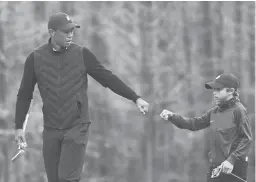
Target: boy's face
x=221, y=94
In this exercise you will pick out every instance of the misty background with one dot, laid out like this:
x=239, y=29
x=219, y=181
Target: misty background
x=165, y=51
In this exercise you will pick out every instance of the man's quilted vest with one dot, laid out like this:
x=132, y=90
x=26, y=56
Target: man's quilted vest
x=62, y=83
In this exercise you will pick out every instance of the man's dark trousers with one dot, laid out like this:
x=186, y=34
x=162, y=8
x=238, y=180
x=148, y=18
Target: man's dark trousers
x=64, y=152
x=240, y=169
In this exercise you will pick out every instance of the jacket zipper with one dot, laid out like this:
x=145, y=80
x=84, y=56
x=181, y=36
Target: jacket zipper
x=59, y=75
x=59, y=79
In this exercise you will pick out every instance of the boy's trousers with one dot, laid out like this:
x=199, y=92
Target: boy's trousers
x=240, y=169
x=64, y=153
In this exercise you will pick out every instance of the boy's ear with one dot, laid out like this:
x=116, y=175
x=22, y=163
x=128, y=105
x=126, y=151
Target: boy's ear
x=232, y=90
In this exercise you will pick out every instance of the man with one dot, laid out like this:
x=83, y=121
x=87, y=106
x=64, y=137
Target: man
x=230, y=130
x=60, y=69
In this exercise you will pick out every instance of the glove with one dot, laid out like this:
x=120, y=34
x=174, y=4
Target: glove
x=20, y=139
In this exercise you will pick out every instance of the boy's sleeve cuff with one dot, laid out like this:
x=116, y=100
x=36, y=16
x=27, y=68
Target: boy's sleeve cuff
x=232, y=159
x=170, y=117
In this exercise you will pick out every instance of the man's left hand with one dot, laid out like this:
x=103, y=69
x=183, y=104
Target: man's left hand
x=227, y=167
x=142, y=105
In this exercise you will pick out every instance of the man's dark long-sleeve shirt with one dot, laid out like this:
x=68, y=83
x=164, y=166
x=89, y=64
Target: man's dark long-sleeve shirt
x=93, y=67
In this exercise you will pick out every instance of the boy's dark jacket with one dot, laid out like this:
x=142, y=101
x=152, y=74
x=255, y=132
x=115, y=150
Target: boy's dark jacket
x=230, y=130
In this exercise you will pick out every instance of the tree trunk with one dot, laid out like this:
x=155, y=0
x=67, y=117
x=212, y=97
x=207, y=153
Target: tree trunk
x=207, y=67
x=207, y=26
x=7, y=166
x=241, y=58
x=39, y=10
x=251, y=34
x=206, y=44
x=3, y=83
x=219, y=37
x=99, y=49
x=238, y=37
x=3, y=124
x=67, y=7
x=148, y=88
x=187, y=52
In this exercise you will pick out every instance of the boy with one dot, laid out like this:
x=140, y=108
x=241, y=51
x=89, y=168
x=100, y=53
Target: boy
x=230, y=130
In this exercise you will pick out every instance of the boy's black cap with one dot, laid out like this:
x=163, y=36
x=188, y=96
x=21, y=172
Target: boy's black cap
x=225, y=80
x=61, y=21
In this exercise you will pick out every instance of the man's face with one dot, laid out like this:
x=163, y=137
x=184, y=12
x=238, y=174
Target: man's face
x=221, y=95
x=63, y=38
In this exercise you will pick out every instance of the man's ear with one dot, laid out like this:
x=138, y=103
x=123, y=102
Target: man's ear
x=51, y=32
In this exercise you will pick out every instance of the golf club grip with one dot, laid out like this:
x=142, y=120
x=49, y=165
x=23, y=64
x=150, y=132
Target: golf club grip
x=17, y=155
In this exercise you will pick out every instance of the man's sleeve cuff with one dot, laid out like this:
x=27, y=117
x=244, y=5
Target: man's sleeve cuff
x=18, y=126
x=135, y=98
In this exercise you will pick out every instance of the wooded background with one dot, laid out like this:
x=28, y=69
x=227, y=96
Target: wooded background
x=165, y=51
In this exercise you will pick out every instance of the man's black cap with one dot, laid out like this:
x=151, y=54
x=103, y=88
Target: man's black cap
x=61, y=21
x=225, y=80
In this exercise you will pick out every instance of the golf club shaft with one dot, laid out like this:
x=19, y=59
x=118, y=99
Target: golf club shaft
x=238, y=177
x=219, y=170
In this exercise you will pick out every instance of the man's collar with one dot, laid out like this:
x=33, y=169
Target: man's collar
x=54, y=50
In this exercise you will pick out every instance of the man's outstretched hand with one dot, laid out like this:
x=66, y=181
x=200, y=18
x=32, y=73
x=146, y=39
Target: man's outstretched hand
x=142, y=105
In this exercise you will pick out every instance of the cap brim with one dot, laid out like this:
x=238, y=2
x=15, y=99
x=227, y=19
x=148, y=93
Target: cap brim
x=213, y=85
x=69, y=26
